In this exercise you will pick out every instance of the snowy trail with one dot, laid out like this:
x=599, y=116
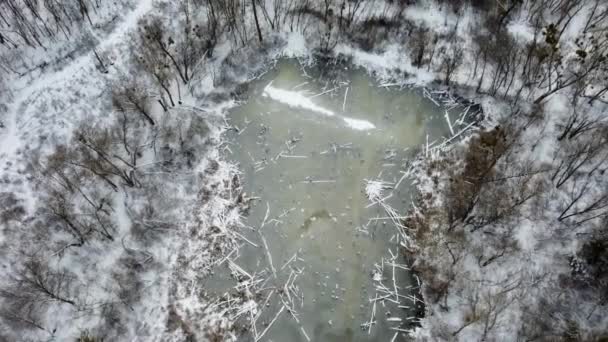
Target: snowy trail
x=10, y=141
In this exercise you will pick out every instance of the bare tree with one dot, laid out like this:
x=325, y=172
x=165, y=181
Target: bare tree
x=94, y=148
x=257, y=23
x=559, y=73
x=79, y=179
x=472, y=313
x=463, y=191
x=33, y=22
x=513, y=186
x=132, y=97
x=585, y=203
x=451, y=61
x=160, y=53
x=158, y=48
x=192, y=43
x=585, y=154
x=495, y=305
x=233, y=13
x=102, y=61
x=420, y=41
x=36, y=282
x=578, y=122
x=61, y=208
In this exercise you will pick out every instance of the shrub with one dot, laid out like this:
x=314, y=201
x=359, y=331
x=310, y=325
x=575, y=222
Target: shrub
x=86, y=337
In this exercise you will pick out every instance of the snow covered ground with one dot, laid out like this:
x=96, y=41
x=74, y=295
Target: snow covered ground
x=516, y=266
x=133, y=287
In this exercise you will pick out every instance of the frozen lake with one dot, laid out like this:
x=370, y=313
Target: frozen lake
x=307, y=142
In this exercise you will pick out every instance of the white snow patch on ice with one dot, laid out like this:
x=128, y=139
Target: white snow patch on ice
x=297, y=99
x=358, y=124
x=294, y=99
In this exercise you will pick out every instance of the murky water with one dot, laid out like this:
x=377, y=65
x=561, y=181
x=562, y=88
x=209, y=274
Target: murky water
x=307, y=152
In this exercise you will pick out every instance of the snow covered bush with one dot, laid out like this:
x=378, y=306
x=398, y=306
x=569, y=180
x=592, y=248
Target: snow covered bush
x=472, y=238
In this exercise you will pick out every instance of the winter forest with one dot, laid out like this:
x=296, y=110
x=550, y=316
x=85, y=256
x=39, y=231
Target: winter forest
x=303, y=170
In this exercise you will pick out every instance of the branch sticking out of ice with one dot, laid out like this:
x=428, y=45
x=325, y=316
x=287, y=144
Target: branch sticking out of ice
x=447, y=118
x=297, y=99
x=375, y=188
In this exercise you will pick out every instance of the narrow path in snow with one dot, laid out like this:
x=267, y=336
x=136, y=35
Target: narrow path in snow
x=9, y=139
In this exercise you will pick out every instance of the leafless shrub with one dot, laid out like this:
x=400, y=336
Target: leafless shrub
x=374, y=29
x=580, y=122
x=94, y=151
x=180, y=142
x=128, y=284
x=505, y=193
x=481, y=156
x=559, y=72
x=21, y=312
x=37, y=284
x=181, y=52
x=587, y=154
x=419, y=42
x=10, y=208
x=451, y=60
x=589, y=270
x=78, y=181
x=134, y=98
x=102, y=61
x=86, y=336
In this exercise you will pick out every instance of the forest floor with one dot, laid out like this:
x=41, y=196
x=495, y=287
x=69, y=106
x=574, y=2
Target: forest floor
x=483, y=279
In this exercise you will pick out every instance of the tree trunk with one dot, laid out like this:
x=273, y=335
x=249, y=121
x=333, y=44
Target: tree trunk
x=257, y=23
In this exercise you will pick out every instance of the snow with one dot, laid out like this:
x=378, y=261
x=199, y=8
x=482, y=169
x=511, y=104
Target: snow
x=45, y=112
x=521, y=31
x=374, y=190
x=429, y=14
x=294, y=99
x=358, y=124
x=296, y=46
x=525, y=235
x=297, y=99
x=393, y=58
